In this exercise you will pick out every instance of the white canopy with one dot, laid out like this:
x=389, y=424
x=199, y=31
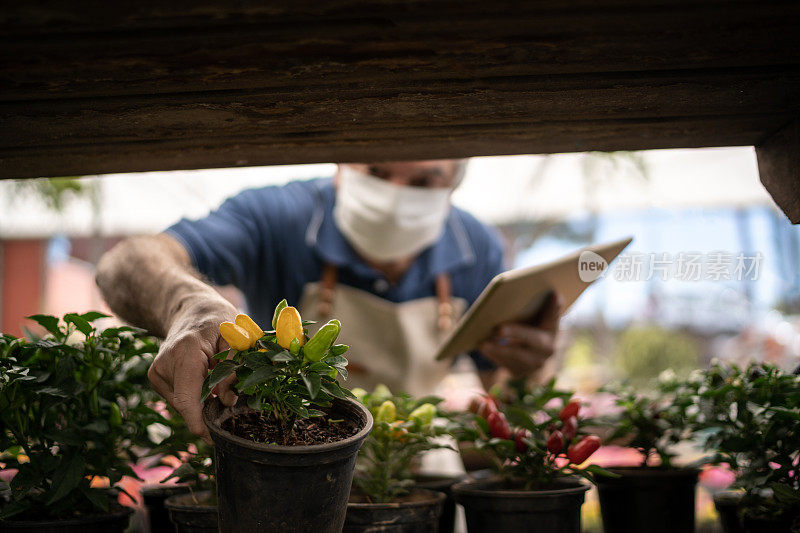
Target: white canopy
x=497, y=190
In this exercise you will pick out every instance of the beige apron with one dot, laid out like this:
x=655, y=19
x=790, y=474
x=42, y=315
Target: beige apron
x=390, y=343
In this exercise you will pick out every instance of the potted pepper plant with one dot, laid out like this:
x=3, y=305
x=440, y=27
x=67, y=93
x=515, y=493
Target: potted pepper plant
x=285, y=453
x=384, y=494
x=655, y=495
x=750, y=418
x=537, y=483
x=70, y=416
x=194, y=511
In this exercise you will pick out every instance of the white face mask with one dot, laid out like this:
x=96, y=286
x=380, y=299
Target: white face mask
x=384, y=221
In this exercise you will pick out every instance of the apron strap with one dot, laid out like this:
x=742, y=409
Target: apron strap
x=444, y=293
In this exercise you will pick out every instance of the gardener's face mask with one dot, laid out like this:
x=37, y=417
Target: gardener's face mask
x=384, y=221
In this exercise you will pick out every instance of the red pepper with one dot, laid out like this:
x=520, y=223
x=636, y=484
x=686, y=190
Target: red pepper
x=570, y=410
x=570, y=428
x=519, y=444
x=555, y=443
x=578, y=453
x=498, y=425
x=486, y=408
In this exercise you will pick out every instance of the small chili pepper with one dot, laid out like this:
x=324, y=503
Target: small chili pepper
x=253, y=330
x=578, y=453
x=236, y=336
x=115, y=417
x=399, y=433
x=322, y=340
x=278, y=308
x=570, y=428
x=570, y=410
x=519, y=443
x=289, y=326
x=555, y=442
x=381, y=392
x=423, y=414
x=387, y=412
x=486, y=408
x=498, y=426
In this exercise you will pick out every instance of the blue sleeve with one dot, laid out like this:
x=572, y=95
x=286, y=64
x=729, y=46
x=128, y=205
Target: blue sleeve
x=239, y=243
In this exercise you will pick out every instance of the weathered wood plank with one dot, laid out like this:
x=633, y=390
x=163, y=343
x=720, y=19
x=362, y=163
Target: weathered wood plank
x=512, y=101
x=393, y=144
x=779, y=166
x=155, y=48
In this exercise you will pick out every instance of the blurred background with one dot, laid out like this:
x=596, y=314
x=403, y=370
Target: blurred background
x=711, y=273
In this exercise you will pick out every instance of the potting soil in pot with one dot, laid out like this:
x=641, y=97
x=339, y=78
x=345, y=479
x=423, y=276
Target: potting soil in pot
x=318, y=430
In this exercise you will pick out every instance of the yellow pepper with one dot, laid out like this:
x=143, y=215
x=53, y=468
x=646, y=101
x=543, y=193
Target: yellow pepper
x=253, y=330
x=288, y=327
x=387, y=412
x=236, y=336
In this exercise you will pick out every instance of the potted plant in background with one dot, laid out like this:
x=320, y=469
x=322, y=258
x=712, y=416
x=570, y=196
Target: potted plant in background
x=750, y=418
x=70, y=417
x=537, y=486
x=656, y=495
x=194, y=511
x=285, y=453
x=385, y=495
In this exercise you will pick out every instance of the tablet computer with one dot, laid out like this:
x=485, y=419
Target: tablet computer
x=517, y=295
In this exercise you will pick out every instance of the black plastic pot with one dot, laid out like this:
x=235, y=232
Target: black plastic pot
x=491, y=506
x=157, y=516
x=727, y=505
x=763, y=524
x=420, y=515
x=264, y=487
x=188, y=516
x=648, y=499
x=441, y=483
x=116, y=522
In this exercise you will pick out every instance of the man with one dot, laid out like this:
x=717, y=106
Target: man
x=378, y=247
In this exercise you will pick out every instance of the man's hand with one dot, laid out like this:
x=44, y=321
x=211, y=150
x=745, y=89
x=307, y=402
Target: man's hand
x=523, y=348
x=185, y=357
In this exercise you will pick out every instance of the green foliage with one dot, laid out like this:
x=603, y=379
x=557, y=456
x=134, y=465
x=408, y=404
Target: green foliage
x=383, y=468
x=750, y=418
x=525, y=460
x=644, y=352
x=71, y=408
x=652, y=423
x=197, y=458
x=283, y=385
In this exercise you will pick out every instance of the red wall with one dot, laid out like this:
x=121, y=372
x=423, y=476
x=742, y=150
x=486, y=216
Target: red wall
x=21, y=282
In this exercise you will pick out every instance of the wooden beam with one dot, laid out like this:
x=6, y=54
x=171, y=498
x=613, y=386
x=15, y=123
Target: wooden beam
x=779, y=166
x=400, y=143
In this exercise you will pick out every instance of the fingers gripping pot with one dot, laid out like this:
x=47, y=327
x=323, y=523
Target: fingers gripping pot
x=266, y=487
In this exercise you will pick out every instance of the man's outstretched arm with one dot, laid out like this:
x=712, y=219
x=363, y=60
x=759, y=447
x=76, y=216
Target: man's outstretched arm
x=150, y=282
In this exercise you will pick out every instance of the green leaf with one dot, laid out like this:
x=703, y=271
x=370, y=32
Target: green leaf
x=221, y=356
x=91, y=316
x=282, y=357
x=220, y=372
x=50, y=323
x=80, y=323
x=97, y=426
x=313, y=384
x=183, y=473
x=28, y=477
x=98, y=497
x=339, y=349
x=259, y=376
x=67, y=477
x=14, y=508
x=600, y=471
x=335, y=360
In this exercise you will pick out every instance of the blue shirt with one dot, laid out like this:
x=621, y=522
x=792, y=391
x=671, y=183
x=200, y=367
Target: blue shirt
x=270, y=242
